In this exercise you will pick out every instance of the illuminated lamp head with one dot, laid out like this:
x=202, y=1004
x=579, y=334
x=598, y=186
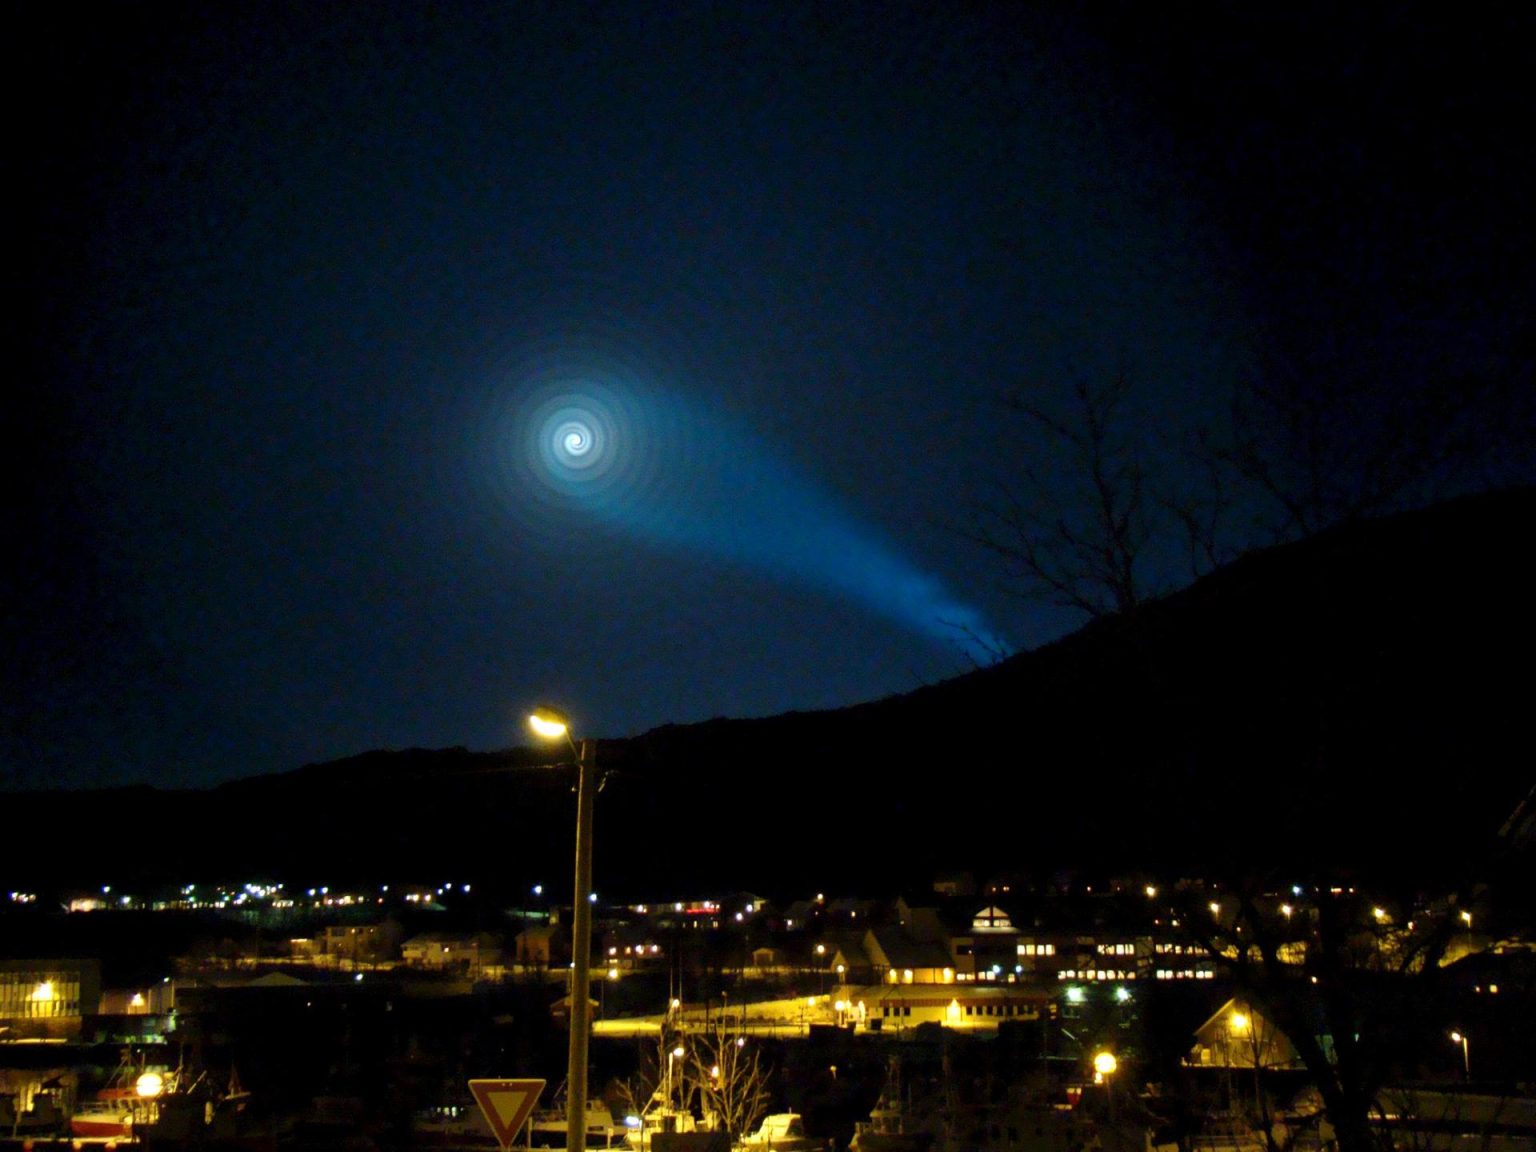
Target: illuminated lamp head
x=549, y=723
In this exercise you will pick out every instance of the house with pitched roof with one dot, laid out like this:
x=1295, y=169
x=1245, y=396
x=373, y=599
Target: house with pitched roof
x=1237, y=1035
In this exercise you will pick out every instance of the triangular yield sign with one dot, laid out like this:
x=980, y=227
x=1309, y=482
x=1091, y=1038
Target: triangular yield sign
x=506, y=1105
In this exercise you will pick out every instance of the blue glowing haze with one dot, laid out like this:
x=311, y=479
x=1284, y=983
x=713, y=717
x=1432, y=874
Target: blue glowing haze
x=391, y=367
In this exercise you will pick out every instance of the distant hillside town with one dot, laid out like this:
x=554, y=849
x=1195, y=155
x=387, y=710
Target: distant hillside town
x=395, y=995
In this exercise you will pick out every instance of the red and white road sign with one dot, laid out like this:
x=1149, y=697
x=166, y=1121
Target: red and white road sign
x=506, y=1104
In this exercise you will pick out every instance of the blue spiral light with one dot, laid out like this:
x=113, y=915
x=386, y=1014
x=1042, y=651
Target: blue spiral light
x=649, y=464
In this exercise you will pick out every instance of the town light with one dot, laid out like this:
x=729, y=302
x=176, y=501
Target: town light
x=552, y=724
x=148, y=1085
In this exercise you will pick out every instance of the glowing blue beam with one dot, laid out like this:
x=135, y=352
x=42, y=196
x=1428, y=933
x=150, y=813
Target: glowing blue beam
x=651, y=465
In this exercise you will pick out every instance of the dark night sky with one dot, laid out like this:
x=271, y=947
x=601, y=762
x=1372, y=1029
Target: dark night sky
x=314, y=292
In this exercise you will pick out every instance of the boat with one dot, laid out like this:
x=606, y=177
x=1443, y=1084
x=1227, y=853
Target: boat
x=160, y=1107
x=460, y=1126
x=43, y=1117
x=657, y=1120
x=201, y=1115
x=1028, y=1118
x=889, y=1128
x=780, y=1132
x=116, y=1111
x=548, y=1127
x=111, y=1116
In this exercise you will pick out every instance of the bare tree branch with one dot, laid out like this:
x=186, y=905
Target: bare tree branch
x=733, y=1078
x=1344, y=978
x=1084, y=550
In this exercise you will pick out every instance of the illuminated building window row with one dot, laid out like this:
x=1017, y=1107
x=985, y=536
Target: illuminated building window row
x=38, y=995
x=1008, y=1010
x=908, y=976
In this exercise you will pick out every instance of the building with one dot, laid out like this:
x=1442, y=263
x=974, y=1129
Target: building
x=1239, y=1036
x=47, y=999
x=449, y=952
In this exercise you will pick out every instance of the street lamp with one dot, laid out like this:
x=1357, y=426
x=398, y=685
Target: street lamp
x=552, y=724
x=1466, y=1056
x=1104, y=1064
x=676, y=1054
x=147, y=1088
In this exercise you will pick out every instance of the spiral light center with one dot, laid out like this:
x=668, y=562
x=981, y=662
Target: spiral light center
x=576, y=442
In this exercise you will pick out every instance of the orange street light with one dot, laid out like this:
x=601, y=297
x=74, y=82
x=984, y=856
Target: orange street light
x=1104, y=1065
x=552, y=724
x=1466, y=1055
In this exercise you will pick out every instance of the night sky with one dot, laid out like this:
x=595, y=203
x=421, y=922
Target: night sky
x=390, y=368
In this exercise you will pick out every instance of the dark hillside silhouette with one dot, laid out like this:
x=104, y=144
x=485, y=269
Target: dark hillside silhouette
x=1356, y=701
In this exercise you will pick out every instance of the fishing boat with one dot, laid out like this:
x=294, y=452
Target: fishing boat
x=161, y=1107
x=548, y=1128
x=889, y=1127
x=657, y=1120
x=130, y=1100
x=780, y=1132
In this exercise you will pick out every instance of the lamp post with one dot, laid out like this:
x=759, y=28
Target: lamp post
x=552, y=724
x=1466, y=1055
x=147, y=1088
x=676, y=1054
x=1105, y=1064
